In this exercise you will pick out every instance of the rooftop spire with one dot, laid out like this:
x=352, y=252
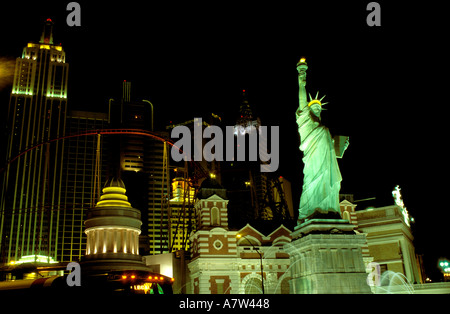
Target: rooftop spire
x=47, y=33
x=126, y=91
x=245, y=112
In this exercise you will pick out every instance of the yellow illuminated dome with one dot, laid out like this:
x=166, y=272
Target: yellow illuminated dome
x=114, y=194
x=113, y=226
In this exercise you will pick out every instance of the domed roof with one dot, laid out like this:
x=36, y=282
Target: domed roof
x=115, y=182
x=209, y=187
x=114, y=194
x=210, y=183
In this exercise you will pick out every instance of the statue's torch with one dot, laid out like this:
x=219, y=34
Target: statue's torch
x=302, y=67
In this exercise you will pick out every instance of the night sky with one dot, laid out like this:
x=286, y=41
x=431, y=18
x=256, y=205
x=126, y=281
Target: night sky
x=386, y=86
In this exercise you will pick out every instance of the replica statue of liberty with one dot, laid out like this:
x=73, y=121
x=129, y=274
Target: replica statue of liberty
x=322, y=178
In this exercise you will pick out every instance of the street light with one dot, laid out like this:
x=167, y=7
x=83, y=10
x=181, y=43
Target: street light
x=444, y=265
x=260, y=258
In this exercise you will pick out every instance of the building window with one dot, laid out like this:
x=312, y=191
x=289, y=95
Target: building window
x=220, y=286
x=383, y=268
x=215, y=216
x=218, y=244
x=346, y=216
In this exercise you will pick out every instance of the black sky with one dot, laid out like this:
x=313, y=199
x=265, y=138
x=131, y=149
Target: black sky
x=386, y=86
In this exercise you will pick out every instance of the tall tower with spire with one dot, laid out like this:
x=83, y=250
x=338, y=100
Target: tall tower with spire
x=244, y=180
x=245, y=123
x=254, y=194
x=31, y=182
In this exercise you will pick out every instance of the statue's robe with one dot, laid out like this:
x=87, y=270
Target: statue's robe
x=322, y=178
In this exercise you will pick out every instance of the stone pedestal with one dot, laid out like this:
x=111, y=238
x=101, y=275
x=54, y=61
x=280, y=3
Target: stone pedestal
x=325, y=257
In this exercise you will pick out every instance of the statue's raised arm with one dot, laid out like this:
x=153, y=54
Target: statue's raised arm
x=301, y=68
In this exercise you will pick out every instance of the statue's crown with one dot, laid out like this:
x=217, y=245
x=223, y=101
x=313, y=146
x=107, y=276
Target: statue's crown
x=316, y=100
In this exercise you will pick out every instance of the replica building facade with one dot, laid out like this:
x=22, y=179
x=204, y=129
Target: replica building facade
x=389, y=238
x=390, y=241
x=225, y=261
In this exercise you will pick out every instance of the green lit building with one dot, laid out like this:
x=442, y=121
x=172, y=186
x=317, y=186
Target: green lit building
x=31, y=183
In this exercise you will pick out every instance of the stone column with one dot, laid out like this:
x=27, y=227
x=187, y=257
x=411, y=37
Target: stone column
x=97, y=241
x=136, y=242
x=88, y=243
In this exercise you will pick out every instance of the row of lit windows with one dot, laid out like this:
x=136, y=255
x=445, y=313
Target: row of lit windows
x=76, y=180
x=78, y=193
x=74, y=163
x=66, y=218
x=70, y=238
x=133, y=167
x=77, y=186
x=87, y=167
x=139, y=160
x=72, y=169
x=73, y=247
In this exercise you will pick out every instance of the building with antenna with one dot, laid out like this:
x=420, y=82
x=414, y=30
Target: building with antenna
x=257, y=195
x=143, y=164
x=30, y=198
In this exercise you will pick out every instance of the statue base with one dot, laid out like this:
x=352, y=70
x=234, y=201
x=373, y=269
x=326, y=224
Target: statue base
x=326, y=257
x=320, y=225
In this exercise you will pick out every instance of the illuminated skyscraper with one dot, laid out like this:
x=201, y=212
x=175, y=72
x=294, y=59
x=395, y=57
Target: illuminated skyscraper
x=78, y=188
x=30, y=195
x=141, y=163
